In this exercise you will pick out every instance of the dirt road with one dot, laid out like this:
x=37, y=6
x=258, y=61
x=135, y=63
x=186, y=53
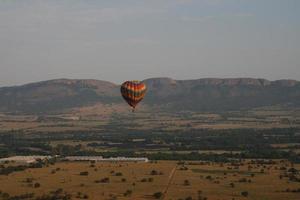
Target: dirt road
x=170, y=178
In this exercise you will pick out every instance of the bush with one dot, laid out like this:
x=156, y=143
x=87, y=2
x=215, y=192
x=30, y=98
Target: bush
x=154, y=172
x=37, y=185
x=84, y=173
x=104, y=180
x=119, y=174
x=183, y=168
x=158, y=195
x=127, y=193
x=186, y=182
x=244, y=193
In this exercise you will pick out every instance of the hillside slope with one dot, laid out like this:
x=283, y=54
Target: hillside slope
x=56, y=95
x=222, y=94
x=200, y=95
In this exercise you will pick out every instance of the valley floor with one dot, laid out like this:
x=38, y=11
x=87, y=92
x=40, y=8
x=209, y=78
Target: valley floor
x=248, y=179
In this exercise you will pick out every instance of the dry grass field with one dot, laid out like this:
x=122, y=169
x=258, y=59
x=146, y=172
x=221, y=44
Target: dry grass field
x=191, y=180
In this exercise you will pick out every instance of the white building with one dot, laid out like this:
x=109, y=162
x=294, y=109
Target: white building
x=101, y=159
x=24, y=159
x=83, y=158
x=125, y=159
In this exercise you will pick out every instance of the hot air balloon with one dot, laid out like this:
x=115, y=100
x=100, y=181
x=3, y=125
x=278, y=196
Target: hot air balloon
x=133, y=92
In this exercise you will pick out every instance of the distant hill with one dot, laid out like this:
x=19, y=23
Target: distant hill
x=208, y=94
x=56, y=95
x=213, y=94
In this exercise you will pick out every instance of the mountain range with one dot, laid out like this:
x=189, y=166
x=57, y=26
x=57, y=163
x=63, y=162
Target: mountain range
x=208, y=94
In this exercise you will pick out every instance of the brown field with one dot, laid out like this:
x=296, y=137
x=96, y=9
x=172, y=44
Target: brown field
x=210, y=180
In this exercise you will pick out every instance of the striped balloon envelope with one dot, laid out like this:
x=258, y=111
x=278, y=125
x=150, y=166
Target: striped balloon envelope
x=133, y=92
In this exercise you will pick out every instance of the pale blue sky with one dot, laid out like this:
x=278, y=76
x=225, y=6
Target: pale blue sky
x=116, y=40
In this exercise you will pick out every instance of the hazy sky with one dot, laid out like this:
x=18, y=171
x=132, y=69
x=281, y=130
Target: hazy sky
x=116, y=40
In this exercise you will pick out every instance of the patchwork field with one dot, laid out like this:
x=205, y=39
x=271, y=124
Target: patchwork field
x=91, y=118
x=257, y=180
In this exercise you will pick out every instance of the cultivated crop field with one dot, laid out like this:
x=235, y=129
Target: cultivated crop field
x=248, y=179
